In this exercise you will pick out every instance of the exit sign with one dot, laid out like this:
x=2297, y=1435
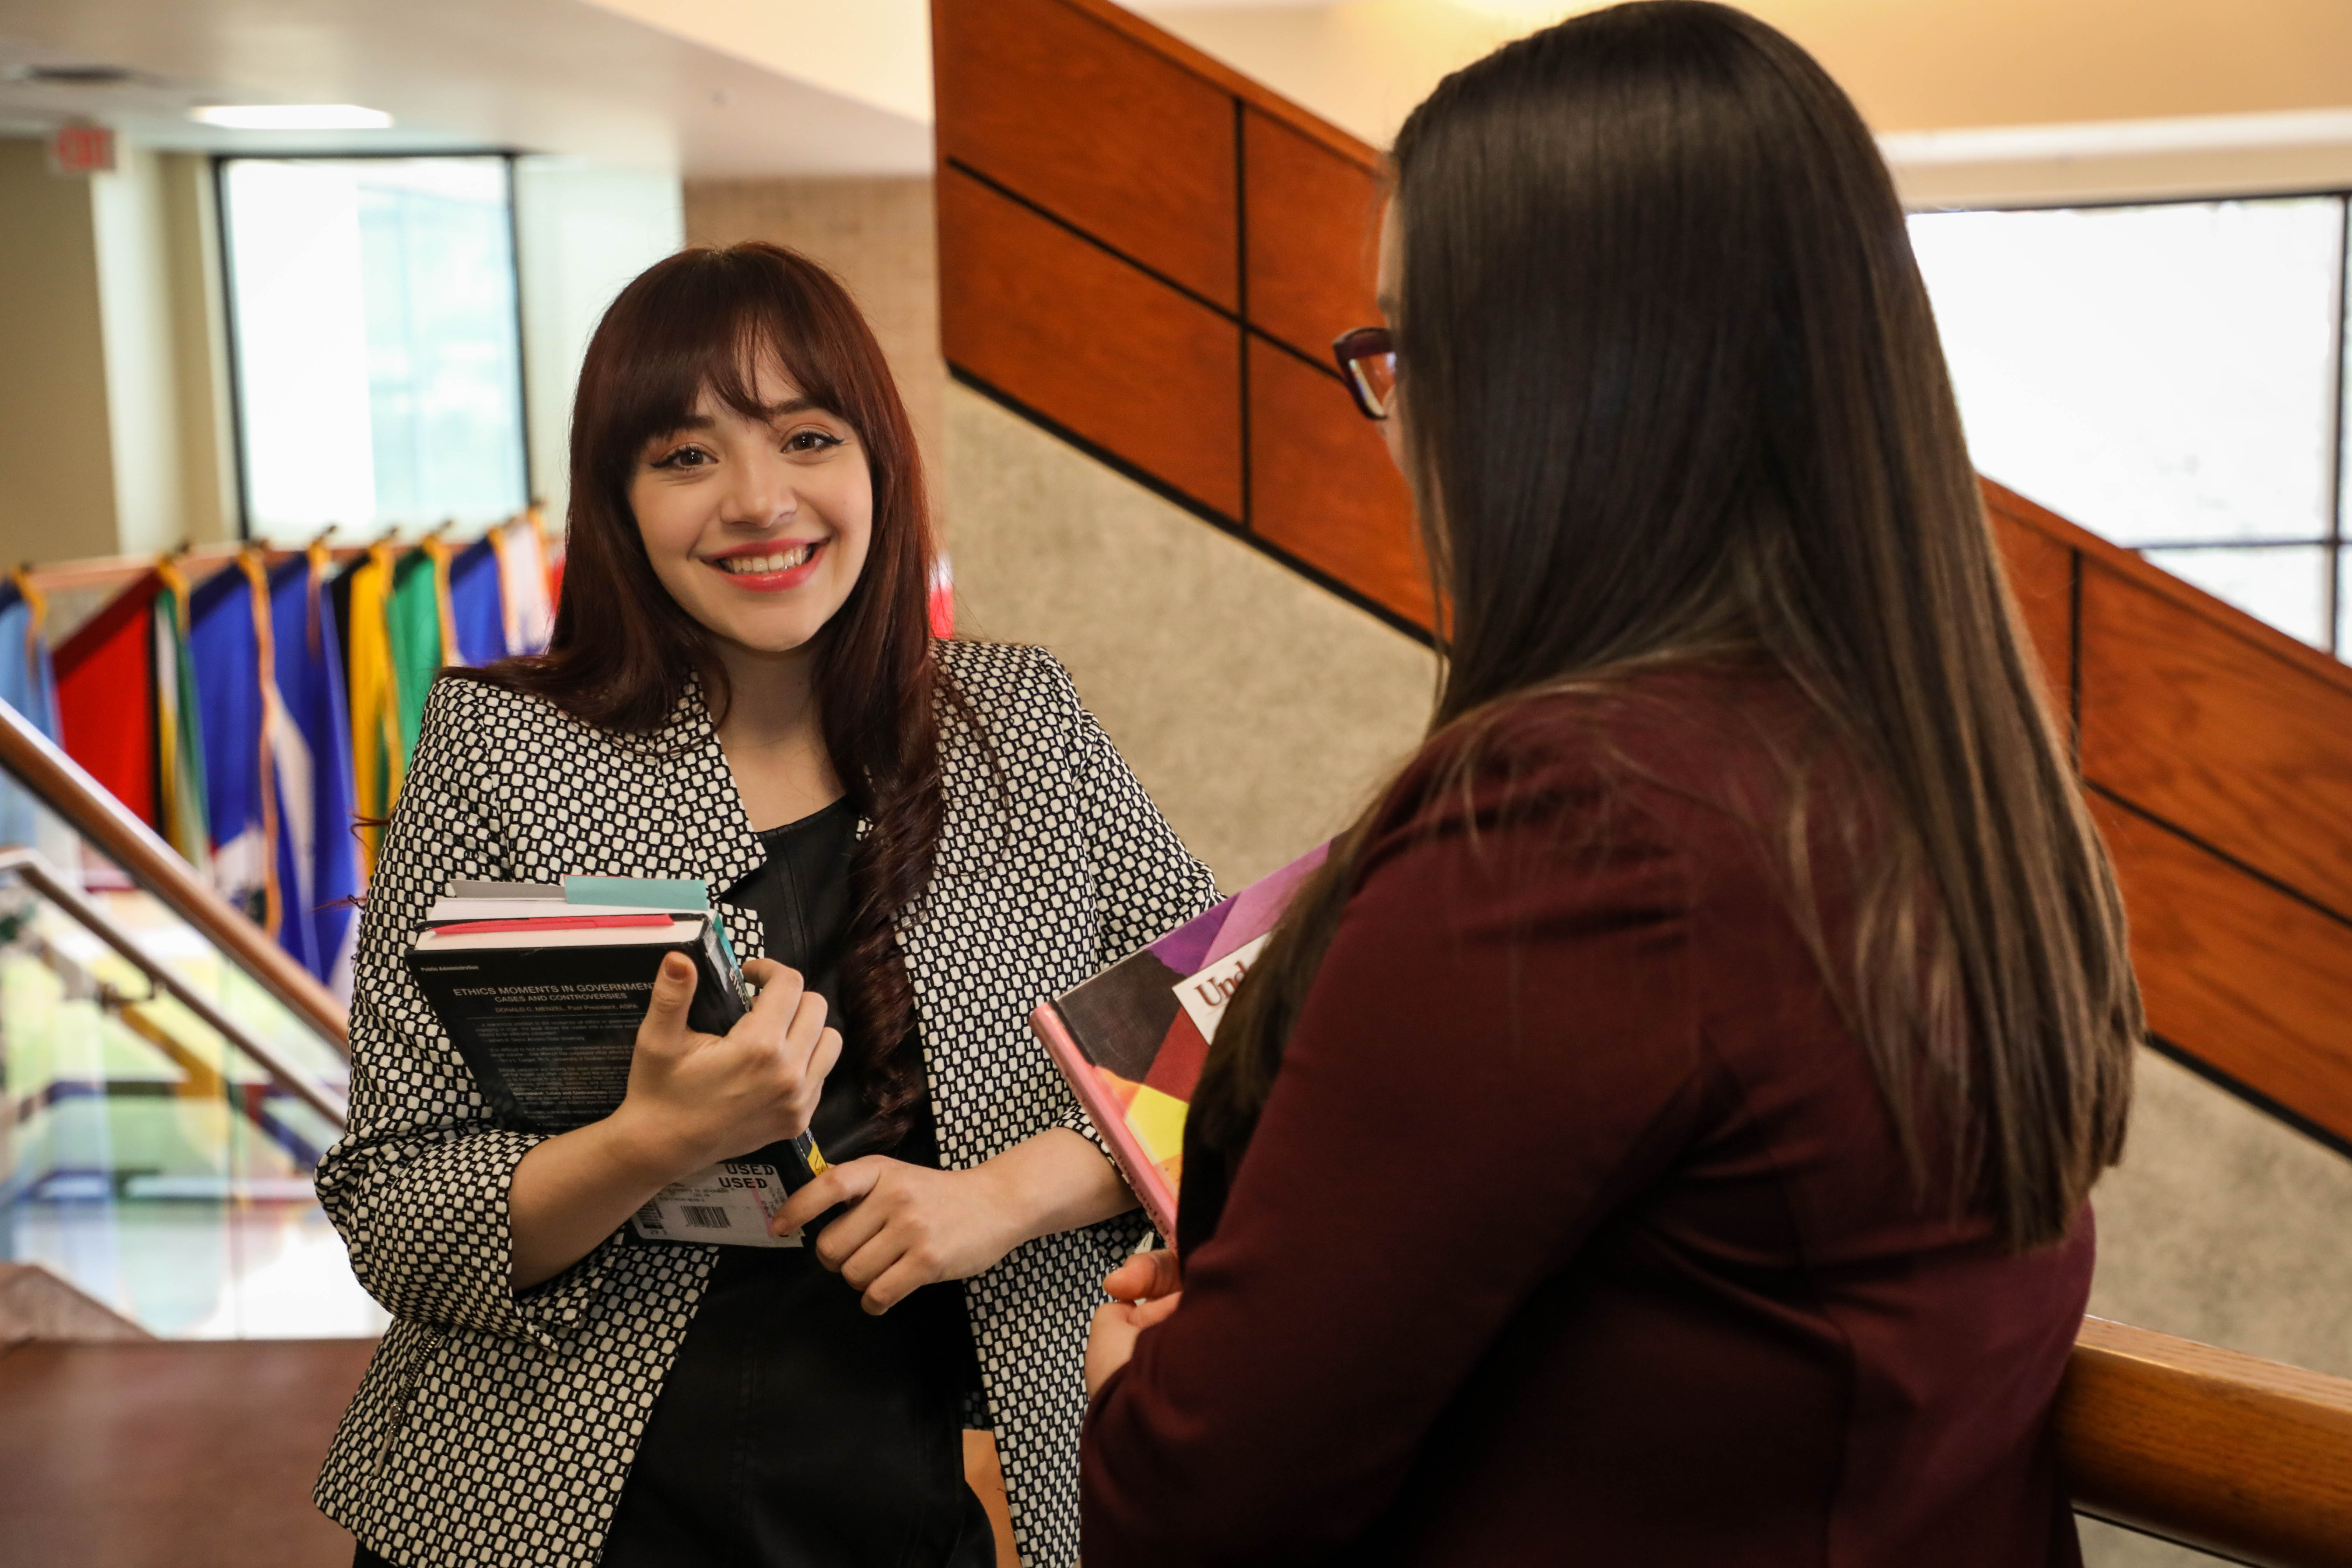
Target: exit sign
x=82, y=150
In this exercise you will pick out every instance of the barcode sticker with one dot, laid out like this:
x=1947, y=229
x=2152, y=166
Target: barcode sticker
x=729, y=1203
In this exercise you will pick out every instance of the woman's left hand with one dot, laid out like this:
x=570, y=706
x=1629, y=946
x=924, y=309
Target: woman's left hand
x=906, y=1227
x=1118, y=1324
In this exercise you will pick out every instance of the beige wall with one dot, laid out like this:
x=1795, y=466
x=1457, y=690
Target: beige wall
x=135, y=300
x=2108, y=1546
x=877, y=236
x=2224, y=1225
x=1259, y=711
x=1912, y=66
x=114, y=419
x=206, y=425
x=57, y=468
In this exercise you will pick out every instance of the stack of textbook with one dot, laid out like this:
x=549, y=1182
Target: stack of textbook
x=541, y=987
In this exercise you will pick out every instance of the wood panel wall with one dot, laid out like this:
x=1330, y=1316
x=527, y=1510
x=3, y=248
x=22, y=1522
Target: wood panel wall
x=1150, y=255
x=2218, y=755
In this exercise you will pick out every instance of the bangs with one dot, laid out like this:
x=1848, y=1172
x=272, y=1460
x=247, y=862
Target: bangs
x=713, y=326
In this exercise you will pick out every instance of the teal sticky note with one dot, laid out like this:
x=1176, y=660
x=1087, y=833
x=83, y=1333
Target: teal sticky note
x=689, y=893
x=719, y=924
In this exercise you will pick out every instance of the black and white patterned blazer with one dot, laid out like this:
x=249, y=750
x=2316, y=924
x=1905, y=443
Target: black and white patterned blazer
x=497, y=1429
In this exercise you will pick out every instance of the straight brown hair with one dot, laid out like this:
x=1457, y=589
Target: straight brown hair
x=624, y=653
x=1672, y=386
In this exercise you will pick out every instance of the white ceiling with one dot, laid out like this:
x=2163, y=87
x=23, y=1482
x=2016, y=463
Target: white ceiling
x=540, y=76
x=712, y=88
x=750, y=88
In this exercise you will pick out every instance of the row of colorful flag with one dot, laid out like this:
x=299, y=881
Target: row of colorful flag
x=251, y=718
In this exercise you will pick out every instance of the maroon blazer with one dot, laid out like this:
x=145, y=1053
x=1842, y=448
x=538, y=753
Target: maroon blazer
x=1575, y=1229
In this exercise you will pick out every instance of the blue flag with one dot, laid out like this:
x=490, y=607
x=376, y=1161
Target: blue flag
x=226, y=653
x=477, y=605
x=318, y=858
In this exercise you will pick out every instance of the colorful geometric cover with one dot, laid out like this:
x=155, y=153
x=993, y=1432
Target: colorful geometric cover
x=1132, y=1040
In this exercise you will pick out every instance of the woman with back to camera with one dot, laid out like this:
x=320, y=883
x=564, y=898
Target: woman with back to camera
x=924, y=838
x=1662, y=1135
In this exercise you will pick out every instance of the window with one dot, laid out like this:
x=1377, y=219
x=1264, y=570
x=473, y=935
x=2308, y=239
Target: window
x=2170, y=376
x=376, y=342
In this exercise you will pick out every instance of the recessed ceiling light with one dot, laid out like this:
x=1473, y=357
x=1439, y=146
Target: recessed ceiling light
x=292, y=116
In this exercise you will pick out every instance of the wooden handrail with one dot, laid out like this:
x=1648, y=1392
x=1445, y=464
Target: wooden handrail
x=60, y=784
x=2213, y=1448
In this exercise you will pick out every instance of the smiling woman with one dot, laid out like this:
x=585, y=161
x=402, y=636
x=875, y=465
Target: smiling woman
x=757, y=523
x=923, y=838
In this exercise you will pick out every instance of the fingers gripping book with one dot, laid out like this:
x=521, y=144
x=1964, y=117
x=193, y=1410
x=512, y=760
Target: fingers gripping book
x=541, y=987
x=1132, y=1040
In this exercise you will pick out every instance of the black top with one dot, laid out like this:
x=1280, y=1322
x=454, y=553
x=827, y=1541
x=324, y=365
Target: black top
x=793, y=1429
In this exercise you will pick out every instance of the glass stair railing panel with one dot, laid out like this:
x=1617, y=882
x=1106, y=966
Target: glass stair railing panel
x=162, y=1112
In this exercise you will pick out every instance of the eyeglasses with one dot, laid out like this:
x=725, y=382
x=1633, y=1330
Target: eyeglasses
x=1366, y=359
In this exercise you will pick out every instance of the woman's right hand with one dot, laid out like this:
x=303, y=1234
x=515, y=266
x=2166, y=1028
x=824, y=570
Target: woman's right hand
x=1146, y=1277
x=1145, y=1292
x=697, y=1098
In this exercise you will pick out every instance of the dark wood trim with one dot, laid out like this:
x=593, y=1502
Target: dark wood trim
x=2216, y=736
x=1039, y=310
x=1312, y=362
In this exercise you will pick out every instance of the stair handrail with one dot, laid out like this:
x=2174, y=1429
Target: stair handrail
x=63, y=786
x=2213, y=1448
x=36, y=871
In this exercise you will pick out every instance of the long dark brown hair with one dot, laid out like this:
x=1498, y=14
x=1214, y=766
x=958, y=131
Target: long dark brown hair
x=623, y=652
x=1672, y=385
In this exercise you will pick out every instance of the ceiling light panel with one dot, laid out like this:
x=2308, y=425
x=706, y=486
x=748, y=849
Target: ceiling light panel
x=292, y=116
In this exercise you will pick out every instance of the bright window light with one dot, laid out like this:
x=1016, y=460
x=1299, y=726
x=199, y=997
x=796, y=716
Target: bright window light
x=2285, y=584
x=2169, y=375
x=292, y=116
x=377, y=341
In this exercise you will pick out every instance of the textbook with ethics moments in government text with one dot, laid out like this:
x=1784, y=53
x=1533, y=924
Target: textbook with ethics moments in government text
x=541, y=987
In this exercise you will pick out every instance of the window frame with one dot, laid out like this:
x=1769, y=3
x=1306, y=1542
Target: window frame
x=225, y=238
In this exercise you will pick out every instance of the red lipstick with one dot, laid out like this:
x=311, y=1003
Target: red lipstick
x=771, y=581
